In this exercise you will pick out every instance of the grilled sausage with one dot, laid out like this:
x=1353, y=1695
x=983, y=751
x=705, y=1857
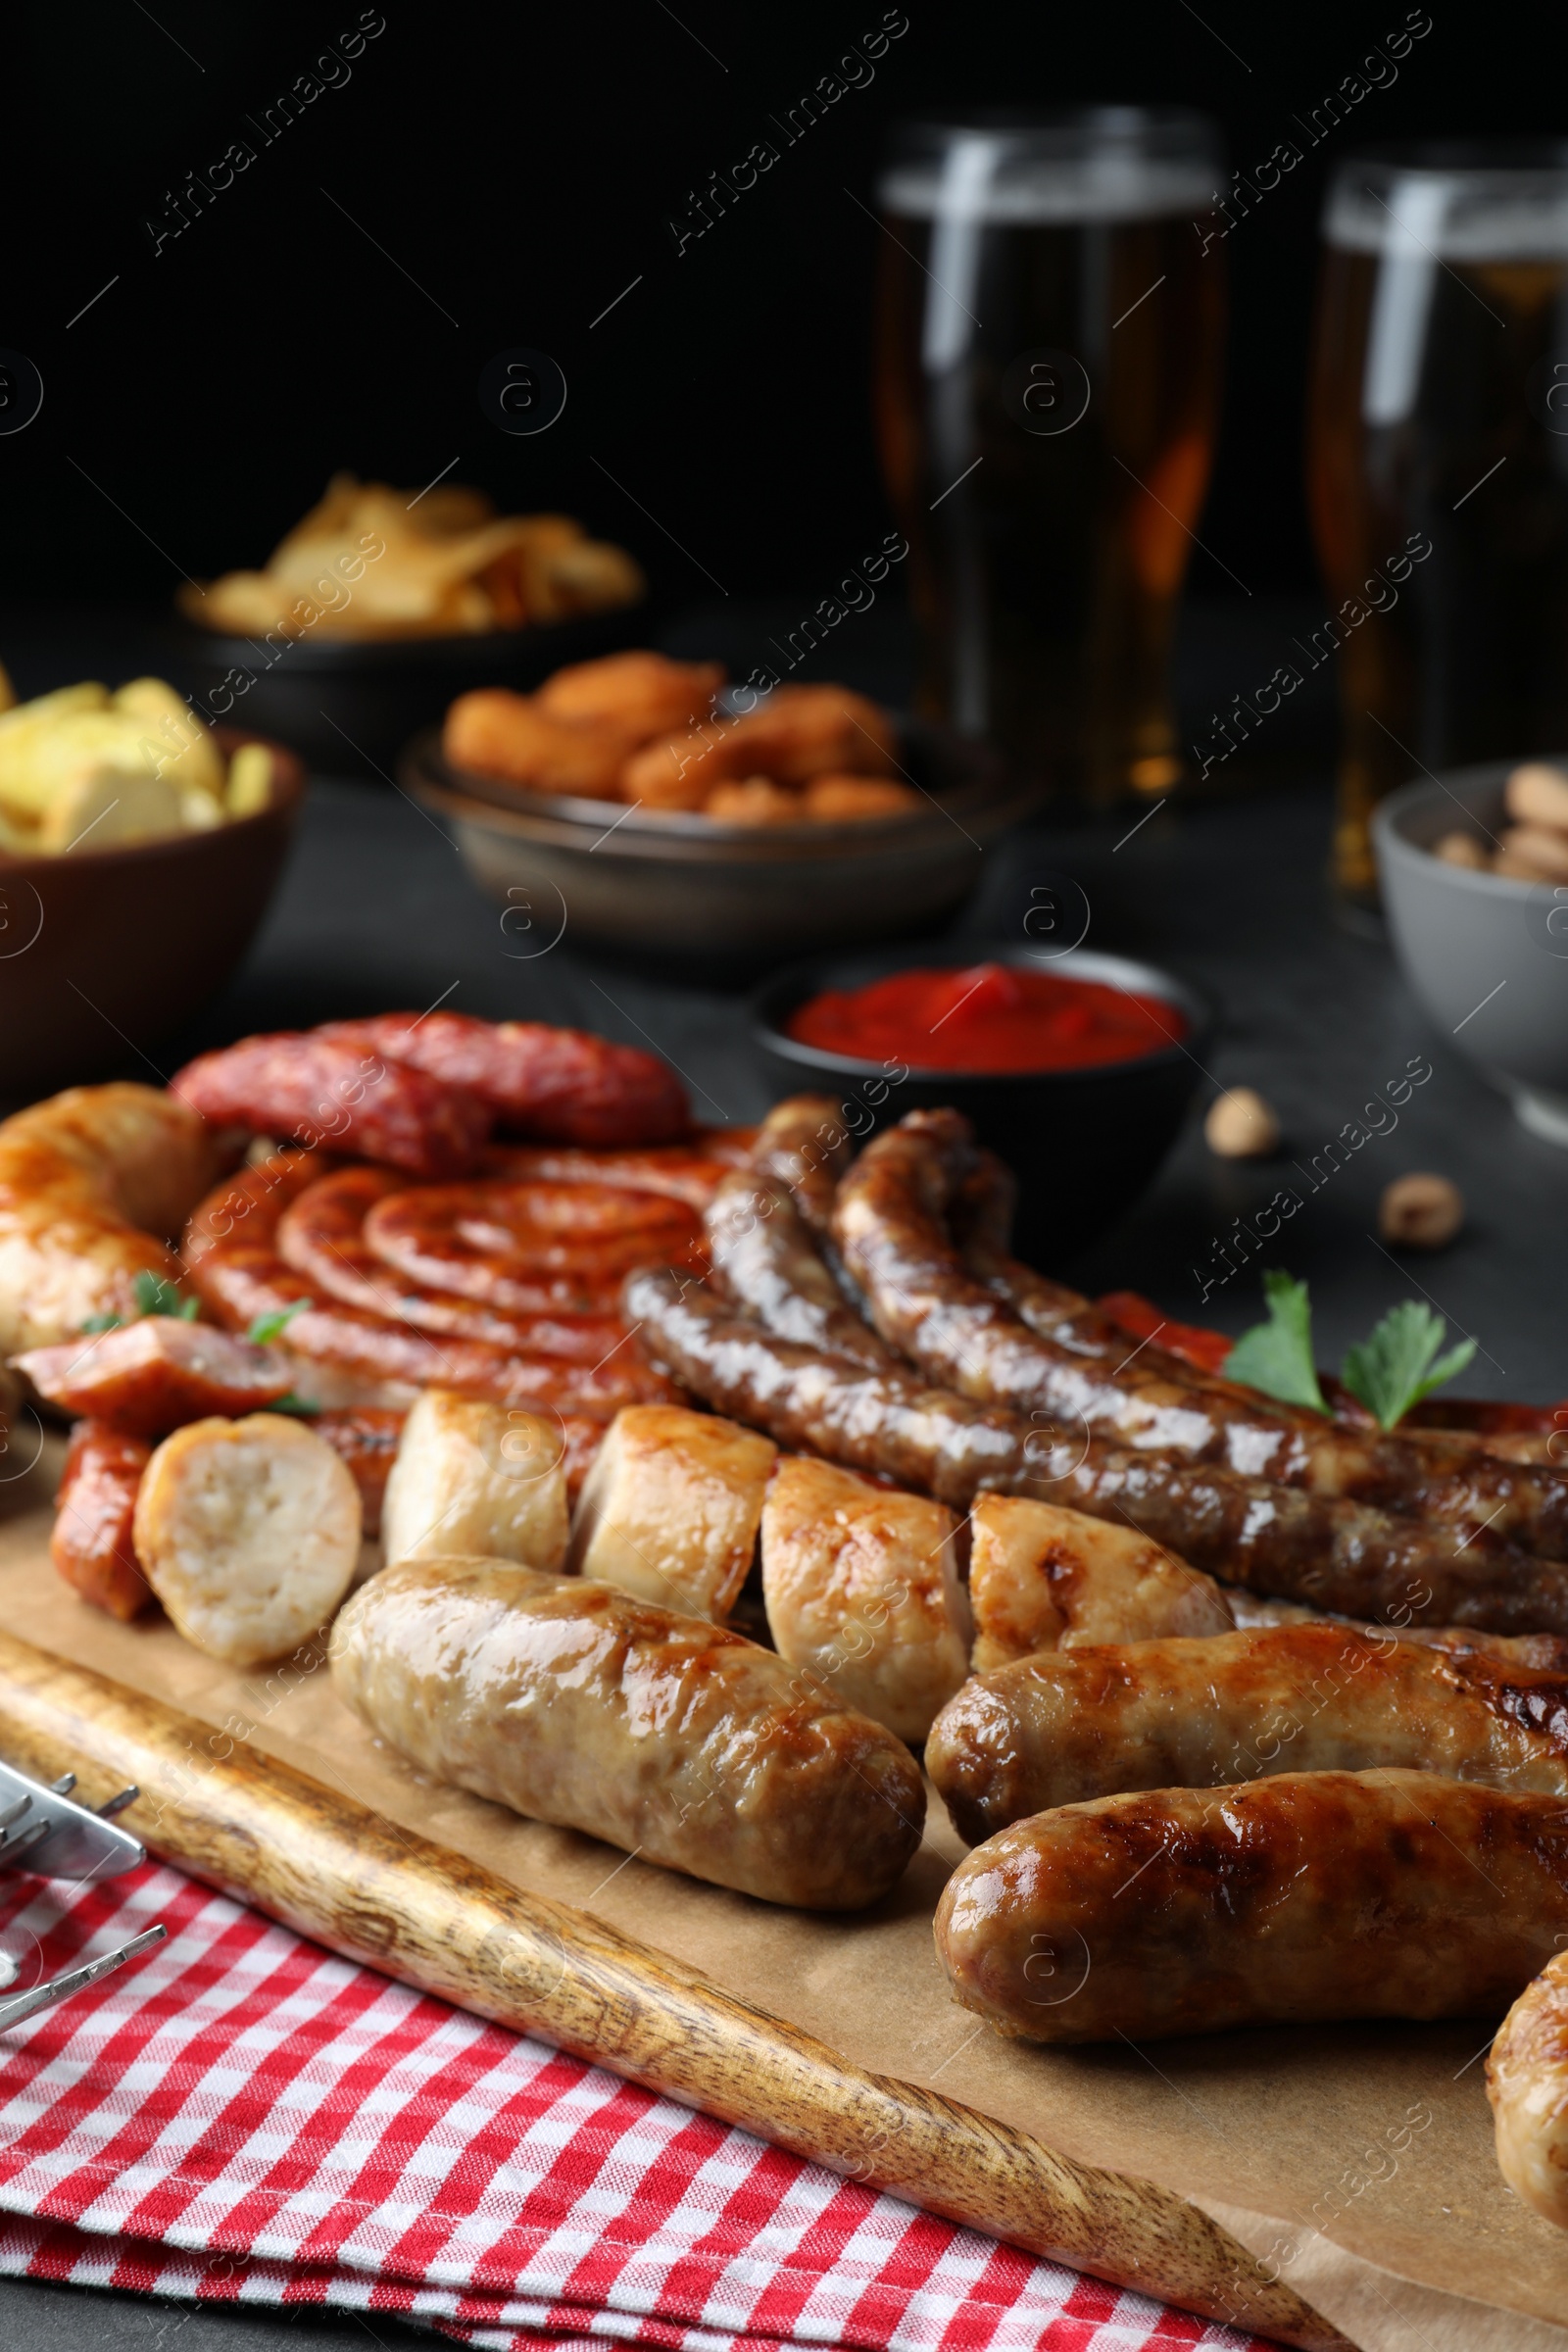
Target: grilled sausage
x=889, y=1222
x=670, y=1508
x=476, y=1478
x=342, y=1355
x=1316, y=1548
x=1045, y=1578
x=1062, y=1727
x=1527, y=2084
x=322, y=1236
x=152, y=1375
x=92, y=1544
x=863, y=1590
x=561, y=1085
x=302, y=1087
x=524, y=1247
x=681, y=1172
x=1548, y=1651
x=666, y=1736
x=364, y=1438
x=90, y=1182
x=805, y=1144
x=1296, y=1900
x=764, y=1255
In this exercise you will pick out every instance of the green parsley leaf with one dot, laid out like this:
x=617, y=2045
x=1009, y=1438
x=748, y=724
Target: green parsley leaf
x=1395, y=1368
x=267, y=1328
x=1276, y=1356
x=97, y=1323
x=157, y=1296
x=293, y=1404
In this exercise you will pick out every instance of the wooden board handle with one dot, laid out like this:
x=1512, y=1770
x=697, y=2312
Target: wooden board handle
x=352, y=1880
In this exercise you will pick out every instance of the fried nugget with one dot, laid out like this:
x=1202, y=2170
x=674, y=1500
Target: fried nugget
x=504, y=734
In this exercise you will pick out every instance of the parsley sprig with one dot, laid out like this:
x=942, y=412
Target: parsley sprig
x=155, y=1295
x=1389, y=1371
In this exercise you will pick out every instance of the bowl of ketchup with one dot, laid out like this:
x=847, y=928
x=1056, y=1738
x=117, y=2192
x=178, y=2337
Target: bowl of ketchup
x=1077, y=1068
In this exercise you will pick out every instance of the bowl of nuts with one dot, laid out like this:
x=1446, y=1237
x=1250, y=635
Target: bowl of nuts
x=1474, y=869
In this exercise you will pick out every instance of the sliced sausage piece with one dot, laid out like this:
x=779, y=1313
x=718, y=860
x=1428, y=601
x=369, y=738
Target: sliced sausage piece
x=1065, y=1727
x=476, y=1478
x=863, y=1590
x=666, y=1736
x=317, y=1090
x=671, y=1509
x=1526, y=2083
x=1045, y=1578
x=153, y=1375
x=1296, y=1900
x=249, y=1534
x=91, y=1544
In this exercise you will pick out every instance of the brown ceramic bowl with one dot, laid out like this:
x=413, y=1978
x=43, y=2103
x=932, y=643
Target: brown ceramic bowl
x=685, y=890
x=102, y=951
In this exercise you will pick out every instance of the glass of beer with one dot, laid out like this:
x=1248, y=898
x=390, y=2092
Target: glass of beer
x=1050, y=331
x=1438, y=468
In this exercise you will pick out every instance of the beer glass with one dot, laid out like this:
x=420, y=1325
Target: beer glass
x=1438, y=468
x=1050, y=328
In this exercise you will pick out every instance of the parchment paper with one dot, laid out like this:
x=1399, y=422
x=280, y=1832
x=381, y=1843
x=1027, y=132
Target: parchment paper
x=1358, y=2158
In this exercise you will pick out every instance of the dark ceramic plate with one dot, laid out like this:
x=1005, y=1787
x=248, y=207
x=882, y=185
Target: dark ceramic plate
x=1083, y=1143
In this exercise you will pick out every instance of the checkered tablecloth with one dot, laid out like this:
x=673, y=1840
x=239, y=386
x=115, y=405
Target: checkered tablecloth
x=241, y=2117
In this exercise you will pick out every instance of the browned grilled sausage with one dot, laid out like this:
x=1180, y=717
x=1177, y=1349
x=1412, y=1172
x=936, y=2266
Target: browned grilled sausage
x=1069, y=1725
x=1296, y=1900
x=92, y=1184
x=805, y=1144
x=91, y=1543
x=318, y=1090
x=364, y=1438
x=574, y=1703
x=1279, y=1540
x=1549, y=1652
x=321, y=1235
x=765, y=1256
x=890, y=1224
x=560, y=1084
x=156, y=1374
x=1527, y=2084
x=341, y=1354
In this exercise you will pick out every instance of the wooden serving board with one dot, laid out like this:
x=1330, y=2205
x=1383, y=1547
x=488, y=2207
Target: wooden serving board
x=1324, y=2185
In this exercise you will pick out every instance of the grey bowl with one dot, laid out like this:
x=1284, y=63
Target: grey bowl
x=1486, y=956
x=685, y=890
x=1083, y=1143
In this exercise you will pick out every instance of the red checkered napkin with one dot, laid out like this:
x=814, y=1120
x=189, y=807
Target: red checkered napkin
x=240, y=2116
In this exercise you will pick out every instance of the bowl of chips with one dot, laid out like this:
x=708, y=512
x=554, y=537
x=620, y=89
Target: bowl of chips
x=382, y=605
x=139, y=851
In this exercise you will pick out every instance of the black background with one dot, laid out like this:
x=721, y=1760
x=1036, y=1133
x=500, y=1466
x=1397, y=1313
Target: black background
x=523, y=165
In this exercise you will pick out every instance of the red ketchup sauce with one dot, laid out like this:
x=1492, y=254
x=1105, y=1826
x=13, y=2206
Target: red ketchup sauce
x=990, y=1018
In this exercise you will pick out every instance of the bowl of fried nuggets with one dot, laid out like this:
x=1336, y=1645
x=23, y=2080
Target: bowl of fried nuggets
x=668, y=815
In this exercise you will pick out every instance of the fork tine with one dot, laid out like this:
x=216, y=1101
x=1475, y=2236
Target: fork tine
x=76, y=1980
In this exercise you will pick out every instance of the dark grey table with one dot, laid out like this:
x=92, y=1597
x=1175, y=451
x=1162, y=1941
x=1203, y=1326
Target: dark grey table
x=377, y=911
